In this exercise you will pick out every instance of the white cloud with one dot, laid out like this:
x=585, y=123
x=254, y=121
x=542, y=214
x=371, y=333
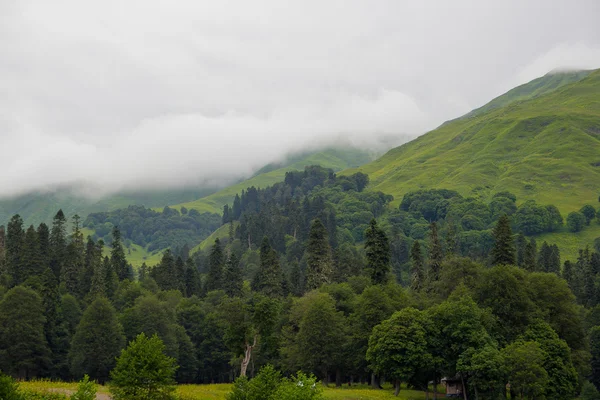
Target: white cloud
x=141, y=94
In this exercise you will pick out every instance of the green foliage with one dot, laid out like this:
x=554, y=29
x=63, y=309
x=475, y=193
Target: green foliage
x=269, y=385
x=575, y=221
x=319, y=267
x=589, y=392
x=86, y=390
x=299, y=387
x=143, y=371
x=9, y=388
x=504, y=250
x=523, y=362
x=589, y=212
x=377, y=248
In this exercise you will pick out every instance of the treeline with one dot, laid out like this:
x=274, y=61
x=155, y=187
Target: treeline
x=155, y=230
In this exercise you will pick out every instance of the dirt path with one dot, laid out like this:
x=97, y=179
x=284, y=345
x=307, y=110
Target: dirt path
x=99, y=396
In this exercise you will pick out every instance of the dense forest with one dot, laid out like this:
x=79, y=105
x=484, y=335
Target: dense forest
x=317, y=275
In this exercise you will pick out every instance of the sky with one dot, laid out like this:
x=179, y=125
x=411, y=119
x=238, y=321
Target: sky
x=125, y=95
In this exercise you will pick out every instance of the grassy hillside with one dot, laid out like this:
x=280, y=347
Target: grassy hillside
x=546, y=148
x=544, y=145
x=336, y=159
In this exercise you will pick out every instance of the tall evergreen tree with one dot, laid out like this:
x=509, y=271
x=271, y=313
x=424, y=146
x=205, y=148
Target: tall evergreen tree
x=503, y=252
x=2, y=251
x=15, y=241
x=97, y=341
x=43, y=234
x=111, y=280
x=417, y=272
x=296, y=279
x=226, y=216
x=233, y=280
x=58, y=242
x=237, y=207
x=165, y=273
x=319, y=265
x=451, y=239
x=530, y=256
x=32, y=264
x=214, y=278
x=521, y=245
x=117, y=257
x=436, y=256
x=554, y=260
x=269, y=273
x=193, y=284
x=90, y=259
x=23, y=348
x=377, y=247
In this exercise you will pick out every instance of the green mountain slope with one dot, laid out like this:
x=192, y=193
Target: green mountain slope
x=336, y=159
x=545, y=148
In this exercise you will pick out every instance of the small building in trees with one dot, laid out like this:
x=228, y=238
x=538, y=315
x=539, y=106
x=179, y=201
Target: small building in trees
x=454, y=387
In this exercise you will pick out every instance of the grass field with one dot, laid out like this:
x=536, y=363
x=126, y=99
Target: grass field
x=218, y=391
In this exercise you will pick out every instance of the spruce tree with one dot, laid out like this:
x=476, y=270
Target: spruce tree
x=2, y=251
x=269, y=273
x=530, y=256
x=378, y=252
x=193, y=284
x=165, y=273
x=319, y=265
x=568, y=273
x=58, y=243
x=417, y=272
x=237, y=208
x=226, y=217
x=544, y=257
x=233, y=280
x=117, y=257
x=24, y=350
x=111, y=280
x=15, y=241
x=503, y=252
x=436, y=256
x=71, y=270
x=90, y=259
x=214, y=278
x=43, y=234
x=521, y=245
x=32, y=264
x=451, y=239
x=554, y=260
x=97, y=341
x=296, y=279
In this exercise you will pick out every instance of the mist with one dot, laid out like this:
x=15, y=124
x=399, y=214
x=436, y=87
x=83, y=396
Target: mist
x=108, y=97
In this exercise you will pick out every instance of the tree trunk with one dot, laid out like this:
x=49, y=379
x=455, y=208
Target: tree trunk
x=396, y=388
x=435, y=392
x=476, y=393
x=374, y=383
x=464, y=387
x=427, y=392
x=338, y=378
x=326, y=379
x=247, y=356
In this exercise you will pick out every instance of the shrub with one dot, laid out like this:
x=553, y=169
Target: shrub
x=299, y=387
x=589, y=392
x=9, y=389
x=86, y=390
x=269, y=385
x=30, y=395
x=575, y=221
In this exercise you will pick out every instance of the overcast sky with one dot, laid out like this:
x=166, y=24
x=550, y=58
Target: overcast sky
x=134, y=94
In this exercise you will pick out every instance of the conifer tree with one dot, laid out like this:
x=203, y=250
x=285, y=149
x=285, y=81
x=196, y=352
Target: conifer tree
x=179, y=275
x=97, y=341
x=436, y=256
x=568, y=273
x=71, y=270
x=296, y=280
x=32, y=264
x=193, y=285
x=544, y=257
x=165, y=273
x=521, y=245
x=98, y=286
x=15, y=241
x=2, y=251
x=554, y=260
x=417, y=273
x=530, y=256
x=214, y=278
x=377, y=247
x=233, y=280
x=58, y=242
x=43, y=234
x=50, y=294
x=237, y=207
x=503, y=252
x=451, y=239
x=90, y=259
x=23, y=348
x=117, y=257
x=319, y=265
x=226, y=217
x=111, y=280
x=269, y=272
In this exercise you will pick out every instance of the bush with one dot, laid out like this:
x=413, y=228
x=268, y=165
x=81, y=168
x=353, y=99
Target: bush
x=9, y=389
x=575, y=221
x=589, y=212
x=299, y=387
x=269, y=385
x=29, y=395
x=589, y=392
x=86, y=390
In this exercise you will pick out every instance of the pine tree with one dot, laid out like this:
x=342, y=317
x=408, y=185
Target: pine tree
x=214, y=278
x=15, y=241
x=503, y=252
x=269, y=272
x=87, y=272
x=530, y=256
x=319, y=265
x=193, y=285
x=554, y=261
x=451, y=239
x=296, y=280
x=165, y=273
x=377, y=247
x=117, y=257
x=544, y=257
x=111, y=280
x=233, y=280
x=71, y=270
x=417, y=272
x=568, y=273
x=32, y=264
x=97, y=341
x=226, y=217
x=436, y=256
x=521, y=249
x=237, y=207
x=179, y=275
x=43, y=234
x=58, y=243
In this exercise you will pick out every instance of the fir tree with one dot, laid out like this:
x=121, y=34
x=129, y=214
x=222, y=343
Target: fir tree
x=269, y=273
x=237, y=207
x=226, y=217
x=436, y=256
x=111, y=280
x=87, y=273
x=417, y=272
x=43, y=234
x=530, y=256
x=503, y=252
x=296, y=280
x=554, y=260
x=568, y=273
x=58, y=242
x=193, y=285
x=377, y=247
x=32, y=264
x=117, y=257
x=179, y=275
x=451, y=239
x=2, y=251
x=233, y=280
x=319, y=268
x=214, y=278
x=71, y=270
x=15, y=241
x=521, y=244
